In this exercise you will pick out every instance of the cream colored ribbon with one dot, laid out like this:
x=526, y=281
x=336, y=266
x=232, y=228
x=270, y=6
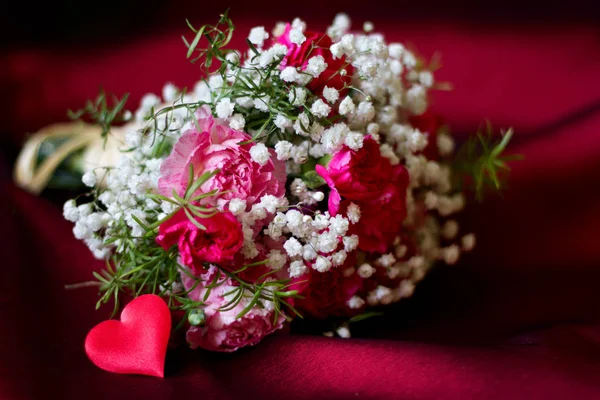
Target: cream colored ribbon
x=99, y=153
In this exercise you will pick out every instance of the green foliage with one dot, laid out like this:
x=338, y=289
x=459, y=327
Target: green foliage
x=101, y=111
x=481, y=162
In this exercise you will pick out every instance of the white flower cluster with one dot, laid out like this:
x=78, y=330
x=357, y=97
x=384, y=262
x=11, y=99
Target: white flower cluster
x=320, y=241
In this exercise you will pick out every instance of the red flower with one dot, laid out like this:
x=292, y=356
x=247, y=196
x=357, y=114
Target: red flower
x=316, y=44
x=369, y=180
x=218, y=244
x=326, y=294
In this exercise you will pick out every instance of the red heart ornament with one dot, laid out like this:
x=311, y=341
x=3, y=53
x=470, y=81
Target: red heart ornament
x=137, y=344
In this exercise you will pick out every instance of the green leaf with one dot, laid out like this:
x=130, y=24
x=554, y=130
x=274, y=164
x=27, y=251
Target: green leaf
x=199, y=182
x=193, y=220
x=195, y=42
x=481, y=160
x=313, y=180
x=365, y=315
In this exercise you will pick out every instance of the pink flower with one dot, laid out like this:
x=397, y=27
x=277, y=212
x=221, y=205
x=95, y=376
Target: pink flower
x=222, y=331
x=316, y=44
x=369, y=180
x=219, y=243
x=362, y=175
x=216, y=146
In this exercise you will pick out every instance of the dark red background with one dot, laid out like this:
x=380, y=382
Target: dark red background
x=519, y=318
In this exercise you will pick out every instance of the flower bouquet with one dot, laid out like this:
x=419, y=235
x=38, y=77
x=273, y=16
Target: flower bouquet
x=303, y=177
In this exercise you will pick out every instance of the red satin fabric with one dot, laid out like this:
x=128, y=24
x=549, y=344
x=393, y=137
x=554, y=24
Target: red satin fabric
x=519, y=318
x=135, y=344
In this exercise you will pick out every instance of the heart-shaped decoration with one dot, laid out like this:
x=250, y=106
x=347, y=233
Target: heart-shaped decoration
x=137, y=344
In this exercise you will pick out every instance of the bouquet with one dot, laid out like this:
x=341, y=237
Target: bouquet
x=304, y=177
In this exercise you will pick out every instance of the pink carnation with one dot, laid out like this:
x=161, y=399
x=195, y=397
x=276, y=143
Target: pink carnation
x=218, y=243
x=214, y=145
x=222, y=331
x=368, y=179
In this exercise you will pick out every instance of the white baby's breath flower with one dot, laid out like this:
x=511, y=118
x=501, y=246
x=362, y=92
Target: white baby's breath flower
x=302, y=124
x=353, y=213
x=316, y=65
x=276, y=259
x=316, y=151
x=245, y=102
x=289, y=74
x=373, y=128
x=85, y=210
x=262, y=103
x=417, y=141
x=169, y=93
x=297, y=37
x=282, y=122
x=322, y=264
x=450, y=229
x=387, y=260
x=451, y=254
x=237, y=206
x=343, y=331
x=89, y=179
x=283, y=149
x=216, y=83
x=365, y=111
x=321, y=221
x=369, y=69
x=347, y=43
x=365, y=271
x=297, y=96
x=339, y=225
x=396, y=50
x=350, y=243
x=320, y=108
x=334, y=137
x=340, y=25
x=293, y=247
x=416, y=98
x=297, y=23
x=318, y=196
x=260, y=153
x=468, y=242
x=279, y=29
x=70, y=211
x=258, y=35
x=354, y=140
x=337, y=51
x=445, y=144
x=409, y=59
x=426, y=78
x=224, y=108
x=297, y=268
x=355, y=302
x=327, y=242
x=346, y=106
x=300, y=153
x=339, y=258
x=330, y=94
x=237, y=122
